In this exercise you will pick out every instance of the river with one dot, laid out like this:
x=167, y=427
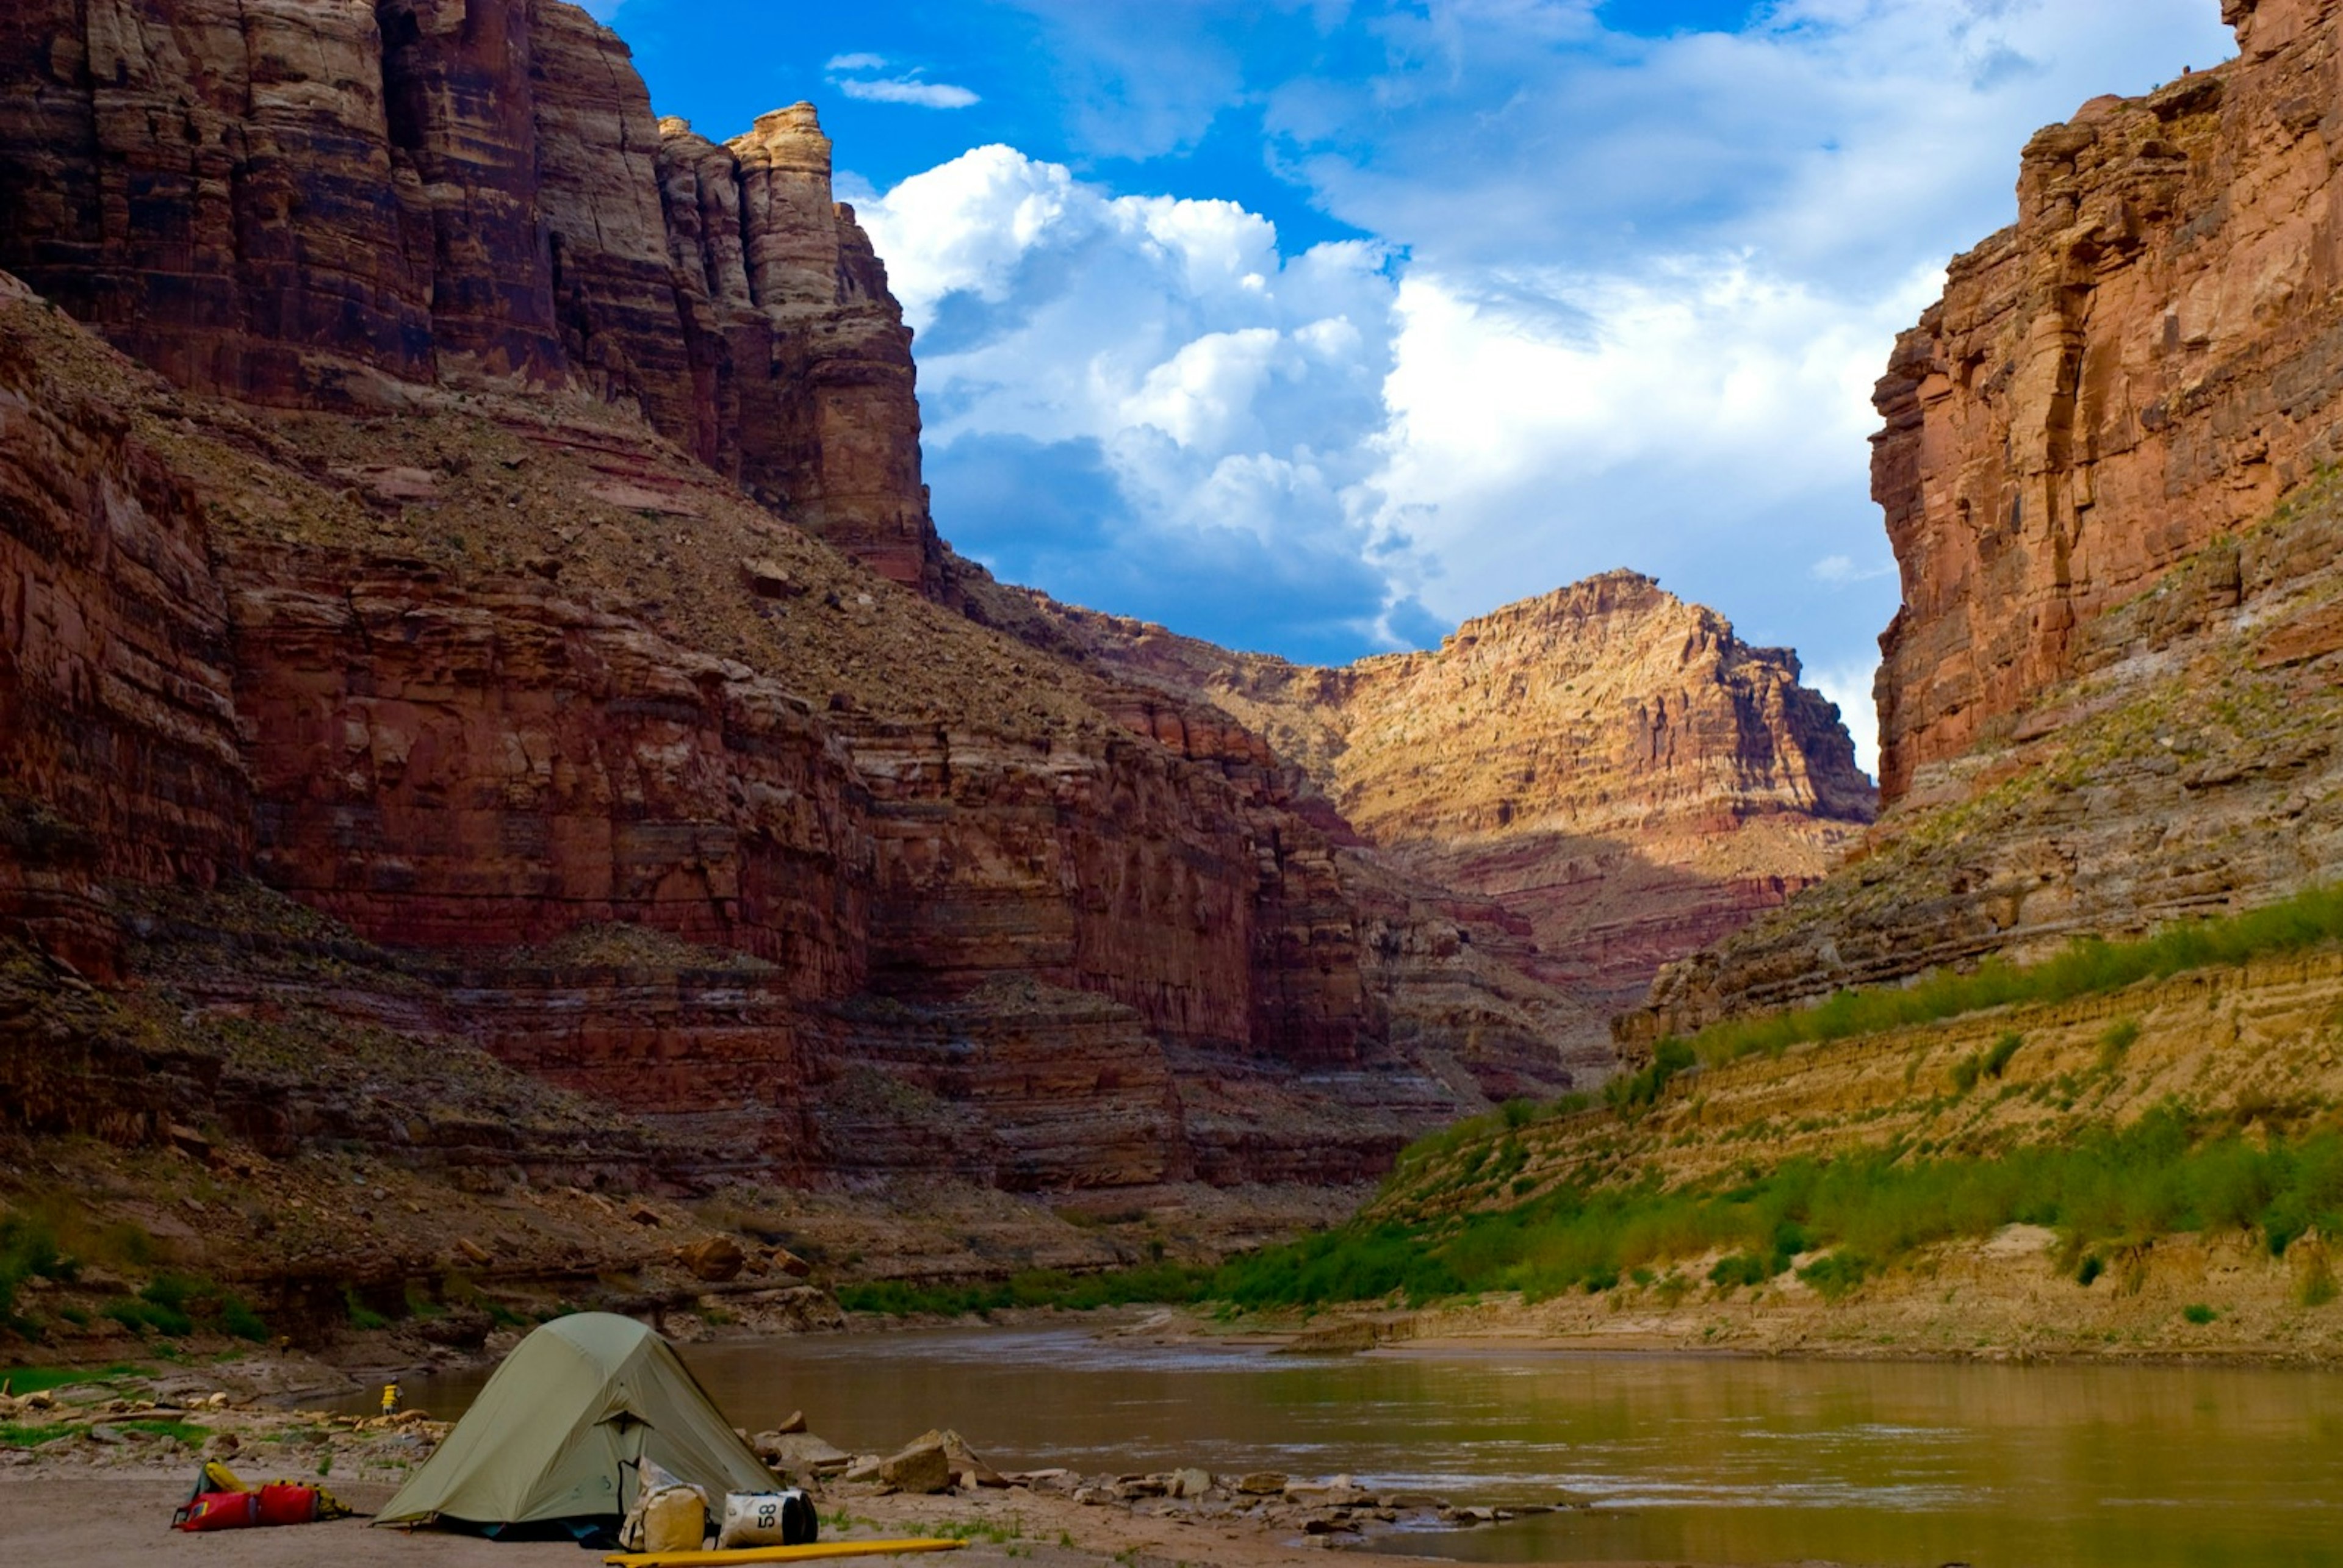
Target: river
x=1713, y=1460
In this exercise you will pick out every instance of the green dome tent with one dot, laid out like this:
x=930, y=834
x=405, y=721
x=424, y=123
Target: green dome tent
x=558, y=1435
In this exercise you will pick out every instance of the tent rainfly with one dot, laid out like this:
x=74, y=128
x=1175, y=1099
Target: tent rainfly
x=559, y=1434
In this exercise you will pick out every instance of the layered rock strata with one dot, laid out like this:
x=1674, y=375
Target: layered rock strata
x=323, y=205
x=1607, y=765
x=2109, y=696
x=374, y=688
x=121, y=757
x=2189, y=768
x=462, y=616
x=2143, y=363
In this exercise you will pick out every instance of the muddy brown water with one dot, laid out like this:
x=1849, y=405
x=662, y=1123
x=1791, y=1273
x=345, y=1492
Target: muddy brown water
x=1707, y=1459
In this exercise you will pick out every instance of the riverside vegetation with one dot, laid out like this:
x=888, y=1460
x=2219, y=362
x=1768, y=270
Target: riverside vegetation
x=1464, y=1211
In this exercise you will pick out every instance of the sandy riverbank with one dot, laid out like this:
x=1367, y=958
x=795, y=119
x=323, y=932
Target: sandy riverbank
x=118, y=1515
x=94, y=1471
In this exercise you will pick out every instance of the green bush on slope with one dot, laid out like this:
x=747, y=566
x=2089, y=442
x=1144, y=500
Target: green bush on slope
x=2167, y=1174
x=1861, y=1213
x=2164, y=1175
x=2088, y=966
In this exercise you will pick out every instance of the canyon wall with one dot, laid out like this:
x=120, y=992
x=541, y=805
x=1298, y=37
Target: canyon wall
x=1608, y=766
x=2109, y=698
x=118, y=748
x=324, y=205
x=525, y=555
x=2143, y=364
x=466, y=685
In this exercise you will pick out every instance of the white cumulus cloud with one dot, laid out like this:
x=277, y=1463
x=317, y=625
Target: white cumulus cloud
x=908, y=90
x=1624, y=305
x=1216, y=401
x=1844, y=570
x=1849, y=686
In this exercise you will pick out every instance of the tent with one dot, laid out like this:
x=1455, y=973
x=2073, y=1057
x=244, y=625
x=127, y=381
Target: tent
x=557, y=1436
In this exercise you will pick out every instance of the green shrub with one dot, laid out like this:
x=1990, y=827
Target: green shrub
x=1996, y=1061
x=2119, y=1038
x=1834, y=1275
x=2197, y=1312
x=176, y=1305
x=2092, y=1267
x=2089, y=966
x=1730, y=1274
x=1638, y=1090
x=28, y=1251
x=1964, y=1074
x=144, y=1317
x=2317, y=1287
x=237, y=1318
x=173, y=1292
x=363, y=1317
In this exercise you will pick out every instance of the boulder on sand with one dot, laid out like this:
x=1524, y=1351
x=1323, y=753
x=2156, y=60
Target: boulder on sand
x=967, y=1468
x=918, y=1467
x=1190, y=1482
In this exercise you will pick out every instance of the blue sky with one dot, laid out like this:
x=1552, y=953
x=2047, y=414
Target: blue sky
x=1316, y=325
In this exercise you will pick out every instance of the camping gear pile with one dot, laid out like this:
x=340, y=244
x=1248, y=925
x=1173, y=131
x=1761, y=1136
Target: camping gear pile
x=768, y=1519
x=221, y=1501
x=672, y=1515
x=593, y=1430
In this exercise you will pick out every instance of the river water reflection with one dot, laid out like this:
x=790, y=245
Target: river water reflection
x=1707, y=1459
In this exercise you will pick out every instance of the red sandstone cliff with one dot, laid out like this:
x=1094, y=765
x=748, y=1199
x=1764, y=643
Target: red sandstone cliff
x=2109, y=694
x=1608, y=766
x=323, y=205
x=2143, y=363
x=446, y=596
x=473, y=678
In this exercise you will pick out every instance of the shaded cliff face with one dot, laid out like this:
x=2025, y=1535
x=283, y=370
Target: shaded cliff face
x=533, y=544
x=468, y=681
x=120, y=758
x=2146, y=362
x=1608, y=766
x=321, y=206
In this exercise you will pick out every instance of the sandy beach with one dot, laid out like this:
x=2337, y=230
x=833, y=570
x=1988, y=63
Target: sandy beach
x=65, y=1514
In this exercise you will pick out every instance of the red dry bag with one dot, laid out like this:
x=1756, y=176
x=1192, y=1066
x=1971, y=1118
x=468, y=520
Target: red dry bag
x=283, y=1502
x=219, y=1510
